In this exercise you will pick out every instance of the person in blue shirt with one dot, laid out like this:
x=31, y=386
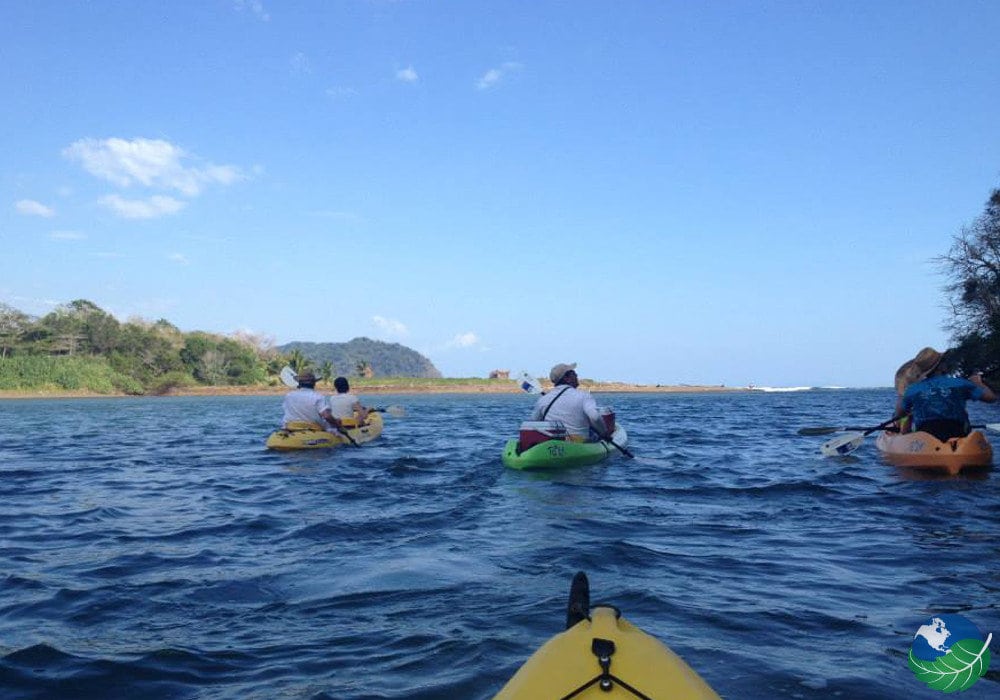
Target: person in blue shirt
x=937, y=401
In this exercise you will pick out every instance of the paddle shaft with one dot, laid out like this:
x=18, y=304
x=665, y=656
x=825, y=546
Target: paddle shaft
x=865, y=429
x=622, y=449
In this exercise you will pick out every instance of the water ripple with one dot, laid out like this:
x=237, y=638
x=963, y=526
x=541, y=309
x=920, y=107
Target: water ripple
x=152, y=548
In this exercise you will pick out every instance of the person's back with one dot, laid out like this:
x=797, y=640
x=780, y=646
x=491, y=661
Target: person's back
x=345, y=404
x=573, y=407
x=304, y=405
x=937, y=403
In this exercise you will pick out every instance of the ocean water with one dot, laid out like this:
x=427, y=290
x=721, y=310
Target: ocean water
x=152, y=548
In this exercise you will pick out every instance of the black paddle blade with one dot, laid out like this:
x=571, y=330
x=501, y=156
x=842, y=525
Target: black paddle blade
x=818, y=431
x=578, y=607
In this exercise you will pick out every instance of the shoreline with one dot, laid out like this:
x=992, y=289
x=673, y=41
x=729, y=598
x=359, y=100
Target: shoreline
x=376, y=389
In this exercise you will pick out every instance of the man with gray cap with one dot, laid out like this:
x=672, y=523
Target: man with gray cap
x=573, y=407
x=306, y=405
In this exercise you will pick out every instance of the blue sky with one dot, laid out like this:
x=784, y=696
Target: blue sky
x=664, y=192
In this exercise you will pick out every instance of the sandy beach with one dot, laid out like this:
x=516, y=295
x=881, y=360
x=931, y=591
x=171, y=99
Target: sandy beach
x=395, y=386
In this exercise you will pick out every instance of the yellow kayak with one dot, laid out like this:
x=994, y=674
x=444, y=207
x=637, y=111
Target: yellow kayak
x=310, y=436
x=604, y=656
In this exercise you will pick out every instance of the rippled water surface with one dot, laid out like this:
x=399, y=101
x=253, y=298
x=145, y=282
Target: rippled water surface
x=152, y=548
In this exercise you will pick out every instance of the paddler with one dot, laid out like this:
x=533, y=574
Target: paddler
x=573, y=407
x=344, y=404
x=306, y=405
x=936, y=399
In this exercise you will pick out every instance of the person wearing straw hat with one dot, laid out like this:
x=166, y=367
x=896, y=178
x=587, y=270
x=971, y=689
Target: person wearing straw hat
x=307, y=409
x=935, y=399
x=570, y=405
x=909, y=373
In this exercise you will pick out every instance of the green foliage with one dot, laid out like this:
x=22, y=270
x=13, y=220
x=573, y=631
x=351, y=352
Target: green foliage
x=964, y=664
x=384, y=359
x=972, y=267
x=164, y=384
x=43, y=372
x=80, y=347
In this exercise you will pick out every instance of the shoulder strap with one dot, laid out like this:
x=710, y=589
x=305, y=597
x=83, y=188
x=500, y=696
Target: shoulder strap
x=546, y=411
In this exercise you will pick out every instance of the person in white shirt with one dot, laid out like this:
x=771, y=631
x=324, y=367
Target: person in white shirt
x=573, y=407
x=345, y=404
x=306, y=405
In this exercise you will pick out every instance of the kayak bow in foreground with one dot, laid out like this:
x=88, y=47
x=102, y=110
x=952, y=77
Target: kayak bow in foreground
x=602, y=655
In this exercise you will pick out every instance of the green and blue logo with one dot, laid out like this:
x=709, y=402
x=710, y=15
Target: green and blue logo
x=949, y=653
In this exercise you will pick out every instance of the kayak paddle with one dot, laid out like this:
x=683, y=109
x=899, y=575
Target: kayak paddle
x=847, y=443
x=828, y=431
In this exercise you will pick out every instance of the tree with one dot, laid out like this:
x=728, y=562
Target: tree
x=298, y=361
x=972, y=266
x=13, y=325
x=326, y=371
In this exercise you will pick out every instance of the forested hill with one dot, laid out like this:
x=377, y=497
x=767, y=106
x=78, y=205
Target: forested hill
x=352, y=358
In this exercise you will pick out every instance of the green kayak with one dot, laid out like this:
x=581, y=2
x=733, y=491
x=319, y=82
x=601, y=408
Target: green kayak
x=559, y=454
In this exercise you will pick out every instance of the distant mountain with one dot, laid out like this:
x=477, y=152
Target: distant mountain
x=385, y=359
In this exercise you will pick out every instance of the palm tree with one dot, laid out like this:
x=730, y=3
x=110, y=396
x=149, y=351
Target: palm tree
x=326, y=372
x=298, y=361
x=364, y=369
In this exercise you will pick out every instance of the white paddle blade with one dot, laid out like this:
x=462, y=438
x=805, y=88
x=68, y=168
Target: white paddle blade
x=995, y=427
x=288, y=377
x=842, y=445
x=529, y=383
x=395, y=411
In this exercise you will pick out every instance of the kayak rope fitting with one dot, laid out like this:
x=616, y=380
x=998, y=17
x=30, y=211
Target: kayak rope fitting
x=604, y=649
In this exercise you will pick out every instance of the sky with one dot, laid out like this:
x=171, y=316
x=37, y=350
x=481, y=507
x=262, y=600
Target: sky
x=663, y=192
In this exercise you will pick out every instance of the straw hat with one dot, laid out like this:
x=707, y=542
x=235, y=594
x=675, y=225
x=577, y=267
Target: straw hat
x=918, y=368
x=306, y=377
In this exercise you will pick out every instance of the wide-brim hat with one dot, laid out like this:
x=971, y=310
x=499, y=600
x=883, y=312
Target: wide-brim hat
x=560, y=370
x=305, y=377
x=918, y=368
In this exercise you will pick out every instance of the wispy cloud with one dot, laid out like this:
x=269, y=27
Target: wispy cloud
x=157, y=205
x=256, y=7
x=30, y=207
x=407, y=75
x=493, y=76
x=67, y=236
x=179, y=258
x=390, y=326
x=464, y=340
x=149, y=162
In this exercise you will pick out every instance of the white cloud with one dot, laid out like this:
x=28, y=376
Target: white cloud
x=495, y=75
x=151, y=208
x=254, y=6
x=390, y=326
x=407, y=75
x=67, y=235
x=178, y=258
x=464, y=340
x=30, y=207
x=149, y=162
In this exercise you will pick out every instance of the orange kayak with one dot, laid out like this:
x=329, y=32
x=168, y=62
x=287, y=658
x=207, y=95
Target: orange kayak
x=923, y=450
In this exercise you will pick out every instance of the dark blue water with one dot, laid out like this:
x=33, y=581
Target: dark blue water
x=151, y=548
